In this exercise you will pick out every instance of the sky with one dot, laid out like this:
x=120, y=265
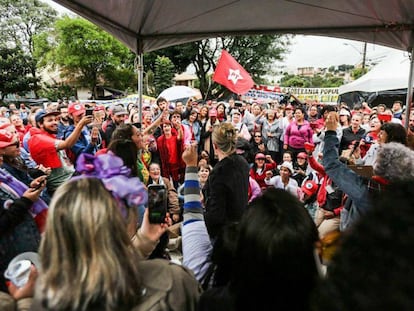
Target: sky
x=315, y=51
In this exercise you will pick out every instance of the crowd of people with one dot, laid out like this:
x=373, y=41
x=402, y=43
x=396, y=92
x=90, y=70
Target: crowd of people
x=255, y=194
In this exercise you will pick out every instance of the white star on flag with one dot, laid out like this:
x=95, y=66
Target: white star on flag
x=234, y=75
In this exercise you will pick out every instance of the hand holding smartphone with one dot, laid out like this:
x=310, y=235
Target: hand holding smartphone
x=157, y=203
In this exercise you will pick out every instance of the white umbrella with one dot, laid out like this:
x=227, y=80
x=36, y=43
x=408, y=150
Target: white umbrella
x=178, y=92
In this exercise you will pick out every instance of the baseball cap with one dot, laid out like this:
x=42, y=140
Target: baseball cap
x=76, y=109
x=99, y=108
x=344, y=112
x=309, y=187
x=212, y=113
x=259, y=156
x=118, y=111
x=235, y=111
x=302, y=155
x=43, y=113
x=287, y=165
x=6, y=138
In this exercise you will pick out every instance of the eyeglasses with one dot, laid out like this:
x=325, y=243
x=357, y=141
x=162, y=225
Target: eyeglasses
x=257, y=135
x=260, y=159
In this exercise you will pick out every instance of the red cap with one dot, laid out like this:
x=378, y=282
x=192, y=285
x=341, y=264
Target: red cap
x=6, y=139
x=212, y=113
x=302, y=155
x=260, y=156
x=76, y=109
x=99, y=108
x=309, y=187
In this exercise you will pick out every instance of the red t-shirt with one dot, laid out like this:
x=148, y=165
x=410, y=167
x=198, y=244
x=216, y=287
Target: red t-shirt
x=42, y=147
x=171, y=144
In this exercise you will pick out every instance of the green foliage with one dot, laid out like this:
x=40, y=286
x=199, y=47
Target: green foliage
x=20, y=21
x=316, y=81
x=255, y=53
x=15, y=69
x=358, y=72
x=87, y=55
x=57, y=91
x=294, y=81
x=180, y=55
x=164, y=73
x=121, y=79
x=345, y=67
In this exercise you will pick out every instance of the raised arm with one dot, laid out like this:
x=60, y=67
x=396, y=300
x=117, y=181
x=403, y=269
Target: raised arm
x=196, y=241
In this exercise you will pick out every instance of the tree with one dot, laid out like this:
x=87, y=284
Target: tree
x=164, y=73
x=294, y=81
x=255, y=53
x=88, y=55
x=15, y=69
x=316, y=81
x=20, y=21
x=358, y=72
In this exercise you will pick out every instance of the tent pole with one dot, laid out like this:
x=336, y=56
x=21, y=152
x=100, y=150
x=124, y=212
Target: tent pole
x=409, y=90
x=140, y=68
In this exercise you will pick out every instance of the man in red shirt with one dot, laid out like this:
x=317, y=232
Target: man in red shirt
x=49, y=151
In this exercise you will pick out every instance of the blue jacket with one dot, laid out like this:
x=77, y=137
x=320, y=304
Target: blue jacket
x=353, y=185
x=83, y=144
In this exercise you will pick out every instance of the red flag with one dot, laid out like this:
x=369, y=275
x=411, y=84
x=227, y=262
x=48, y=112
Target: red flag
x=232, y=75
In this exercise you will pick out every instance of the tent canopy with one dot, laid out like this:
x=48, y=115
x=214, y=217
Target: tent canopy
x=383, y=84
x=147, y=25
x=391, y=74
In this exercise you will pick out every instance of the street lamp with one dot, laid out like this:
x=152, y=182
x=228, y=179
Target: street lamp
x=364, y=52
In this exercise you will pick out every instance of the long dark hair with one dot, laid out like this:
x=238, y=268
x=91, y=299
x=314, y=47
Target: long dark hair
x=128, y=152
x=275, y=245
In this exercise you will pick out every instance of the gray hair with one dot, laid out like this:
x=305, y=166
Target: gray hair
x=395, y=162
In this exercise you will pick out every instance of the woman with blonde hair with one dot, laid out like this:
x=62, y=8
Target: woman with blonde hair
x=88, y=259
x=228, y=183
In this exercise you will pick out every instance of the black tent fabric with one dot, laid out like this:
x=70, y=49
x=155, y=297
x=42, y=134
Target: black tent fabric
x=374, y=98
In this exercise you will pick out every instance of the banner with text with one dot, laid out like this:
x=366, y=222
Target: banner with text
x=264, y=93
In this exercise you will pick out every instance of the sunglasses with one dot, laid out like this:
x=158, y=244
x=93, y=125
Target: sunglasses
x=257, y=135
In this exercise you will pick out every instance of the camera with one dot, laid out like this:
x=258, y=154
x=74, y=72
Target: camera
x=238, y=103
x=89, y=112
x=157, y=203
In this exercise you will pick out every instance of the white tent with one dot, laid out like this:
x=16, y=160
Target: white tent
x=390, y=74
x=384, y=83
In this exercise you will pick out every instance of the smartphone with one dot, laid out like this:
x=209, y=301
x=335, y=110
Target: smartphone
x=157, y=203
x=89, y=112
x=39, y=185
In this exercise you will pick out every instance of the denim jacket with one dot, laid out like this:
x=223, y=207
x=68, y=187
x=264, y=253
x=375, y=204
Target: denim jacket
x=353, y=185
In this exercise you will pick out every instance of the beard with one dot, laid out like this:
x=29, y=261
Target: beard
x=50, y=131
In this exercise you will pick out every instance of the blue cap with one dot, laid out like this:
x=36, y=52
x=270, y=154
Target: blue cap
x=43, y=113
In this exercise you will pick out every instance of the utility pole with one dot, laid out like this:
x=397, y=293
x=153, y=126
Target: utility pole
x=364, y=55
